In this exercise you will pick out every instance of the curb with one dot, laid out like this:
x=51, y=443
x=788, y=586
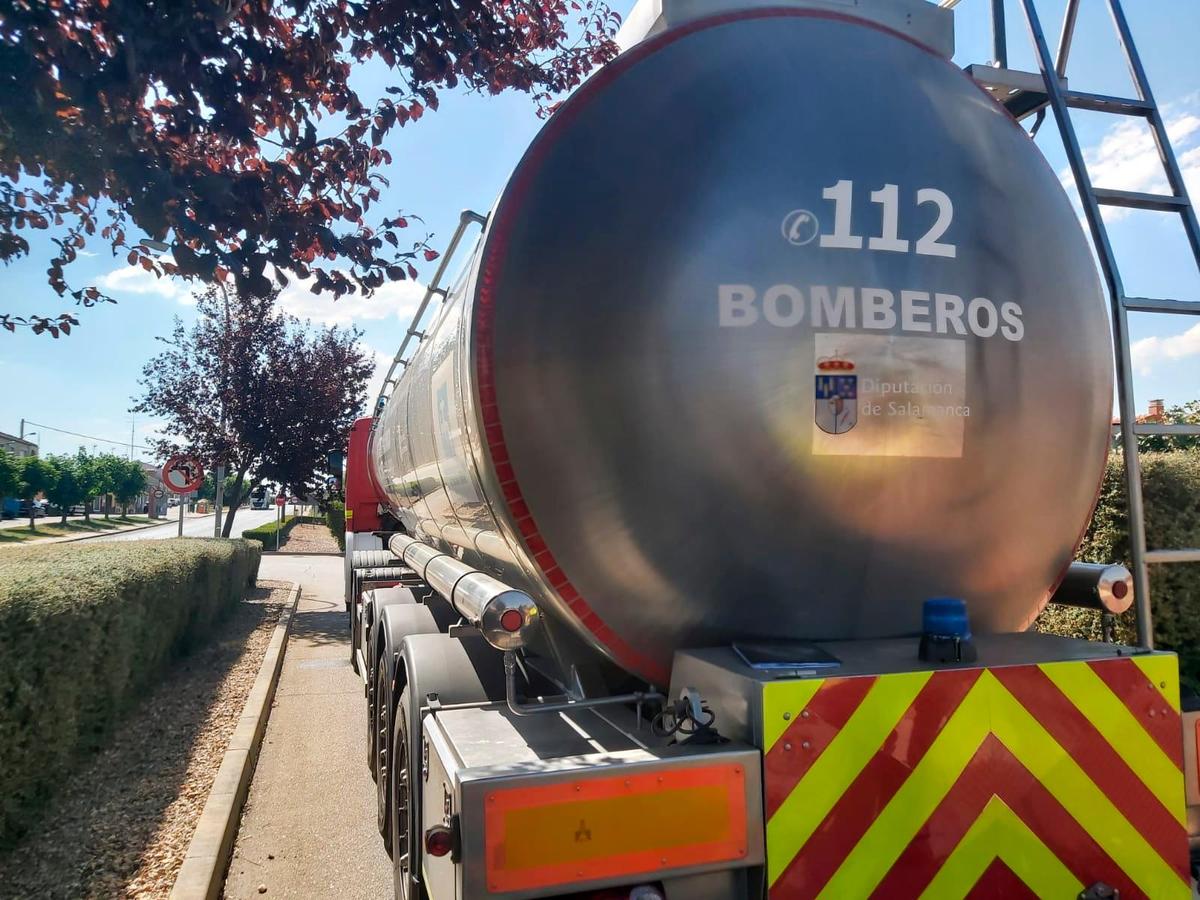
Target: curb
x=337, y=553
x=202, y=875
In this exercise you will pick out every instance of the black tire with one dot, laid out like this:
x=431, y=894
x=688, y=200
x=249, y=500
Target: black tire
x=372, y=720
x=355, y=633
x=383, y=775
x=398, y=806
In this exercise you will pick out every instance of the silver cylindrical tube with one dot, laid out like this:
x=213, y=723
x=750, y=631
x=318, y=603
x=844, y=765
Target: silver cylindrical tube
x=1096, y=586
x=506, y=617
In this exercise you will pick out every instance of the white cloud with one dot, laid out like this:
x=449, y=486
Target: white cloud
x=136, y=280
x=1127, y=159
x=395, y=299
x=382, y=362
x=1148, y=351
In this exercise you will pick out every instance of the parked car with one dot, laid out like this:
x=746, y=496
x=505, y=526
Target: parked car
x=77, y=510
x=39, y=508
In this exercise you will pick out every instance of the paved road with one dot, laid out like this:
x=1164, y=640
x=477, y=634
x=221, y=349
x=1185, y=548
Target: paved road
x=194, y=526
x=308, y=829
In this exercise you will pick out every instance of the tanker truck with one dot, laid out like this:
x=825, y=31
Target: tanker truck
x=694, y=551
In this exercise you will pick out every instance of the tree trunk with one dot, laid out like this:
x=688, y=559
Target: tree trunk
x=87, y=510
x=234, y=502
x=32, y=526
x=66, y=509
x=107, y=505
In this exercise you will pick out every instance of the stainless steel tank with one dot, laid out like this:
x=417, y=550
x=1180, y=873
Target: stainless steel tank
x=780, y=327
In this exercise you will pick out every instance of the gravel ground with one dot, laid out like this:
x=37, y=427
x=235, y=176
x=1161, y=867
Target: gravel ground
x=121, y=826
x=310, y=539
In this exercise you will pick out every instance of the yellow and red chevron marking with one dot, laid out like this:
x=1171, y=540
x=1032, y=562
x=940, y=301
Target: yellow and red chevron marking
x=1017, y=781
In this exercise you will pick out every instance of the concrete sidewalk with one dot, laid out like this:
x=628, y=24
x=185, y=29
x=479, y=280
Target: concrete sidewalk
x=308, y=829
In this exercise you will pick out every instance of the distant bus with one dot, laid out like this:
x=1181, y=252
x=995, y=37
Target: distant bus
x=259, y=498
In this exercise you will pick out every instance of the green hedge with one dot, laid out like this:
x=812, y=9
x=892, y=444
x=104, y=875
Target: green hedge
x=84, y=629
x=265, y=533
x=1171, y=488
x=335, y=518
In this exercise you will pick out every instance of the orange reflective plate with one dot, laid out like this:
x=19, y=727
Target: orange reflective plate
x=618, y=825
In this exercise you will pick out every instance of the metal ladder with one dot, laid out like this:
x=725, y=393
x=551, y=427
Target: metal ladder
x=1022, y=93
x=466, y=219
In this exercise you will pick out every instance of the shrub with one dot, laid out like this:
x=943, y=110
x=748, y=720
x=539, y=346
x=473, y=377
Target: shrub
x=84, y=628
x=265, y=533
x=1171, y=488
x=335, y=518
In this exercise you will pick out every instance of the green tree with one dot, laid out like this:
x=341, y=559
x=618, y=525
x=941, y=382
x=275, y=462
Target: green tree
x=37, y=475
x=10, y=474
x=110, y=469
x=208, y=490
x=67, y=490
x=87, y=471
x=132, y=482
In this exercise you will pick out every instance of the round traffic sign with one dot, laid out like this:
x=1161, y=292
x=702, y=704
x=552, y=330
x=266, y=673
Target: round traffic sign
x=159, y=492
x=280, y=500
x=182, y=474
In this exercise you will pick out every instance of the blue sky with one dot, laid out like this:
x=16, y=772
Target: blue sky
x=460, y=156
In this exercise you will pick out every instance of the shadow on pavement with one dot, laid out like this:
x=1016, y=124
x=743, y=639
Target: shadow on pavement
x=326, y=626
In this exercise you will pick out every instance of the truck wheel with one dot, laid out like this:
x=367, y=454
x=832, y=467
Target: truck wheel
x=372, y=725
x=383, y=767
x=353, y=609
x=396, y=616
x=398, y=805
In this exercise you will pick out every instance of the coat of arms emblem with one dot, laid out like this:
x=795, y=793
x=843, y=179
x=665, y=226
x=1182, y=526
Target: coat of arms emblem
x=835, y=406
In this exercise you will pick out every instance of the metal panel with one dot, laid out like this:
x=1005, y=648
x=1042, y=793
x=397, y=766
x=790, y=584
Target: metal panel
x=914, y=783
x=734, y=691
x=532, y=763
x=439, y=804
x=918, y=19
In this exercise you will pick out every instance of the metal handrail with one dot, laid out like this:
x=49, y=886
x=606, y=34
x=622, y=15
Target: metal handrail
x=465, y=219
x=1182, y=555
x=1175, y=428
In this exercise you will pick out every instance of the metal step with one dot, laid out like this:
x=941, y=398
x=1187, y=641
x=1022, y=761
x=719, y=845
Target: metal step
x=1178, y=429
x=1136, y=200
x=1175, y=429
x=1024, y=93
x=1172, y=556
x=1155, y=305
x=1021, y=93
x=1104, y=103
